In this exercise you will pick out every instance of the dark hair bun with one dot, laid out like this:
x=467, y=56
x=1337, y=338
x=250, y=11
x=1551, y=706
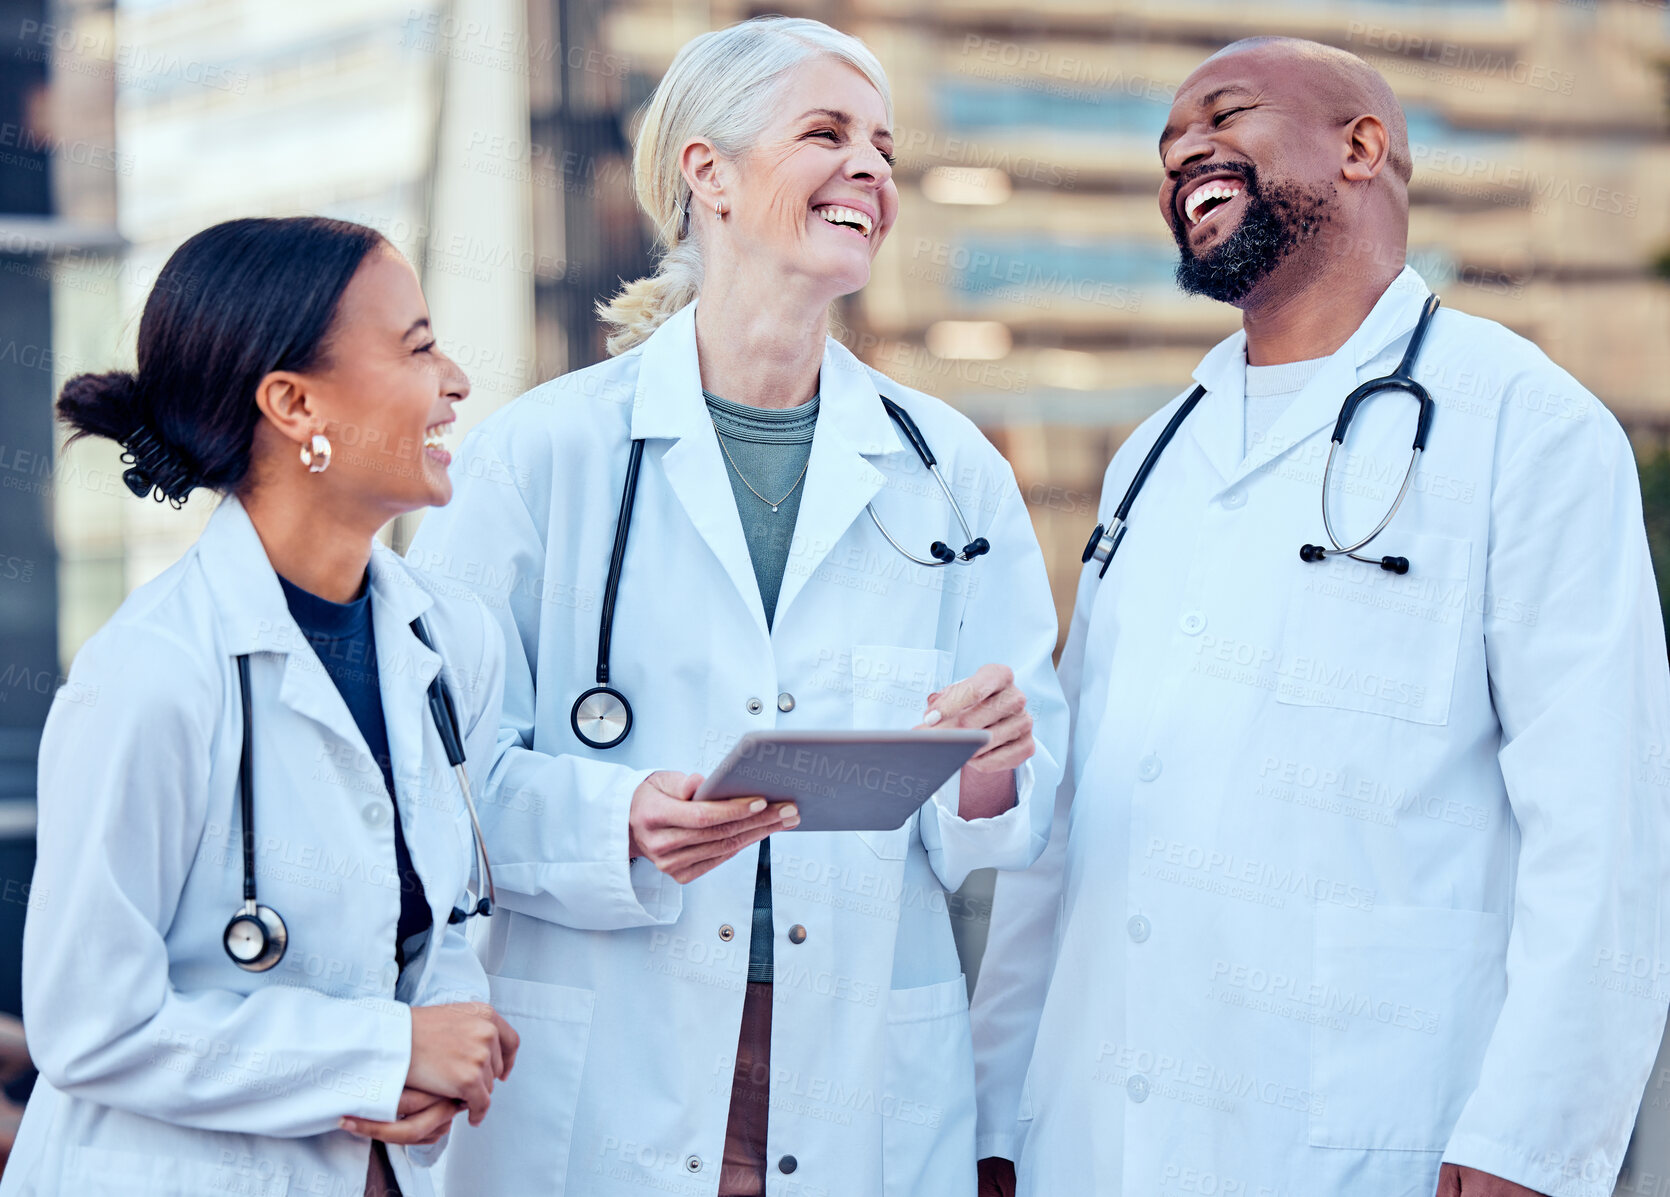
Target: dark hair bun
x=99, y=404
x=105, y=405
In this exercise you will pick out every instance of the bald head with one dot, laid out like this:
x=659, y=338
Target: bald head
x=1342, y=87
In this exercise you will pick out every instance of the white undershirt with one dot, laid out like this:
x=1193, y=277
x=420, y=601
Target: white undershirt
x=1271, y=391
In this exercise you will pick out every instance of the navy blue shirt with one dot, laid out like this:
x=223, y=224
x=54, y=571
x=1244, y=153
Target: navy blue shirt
x=341, y=635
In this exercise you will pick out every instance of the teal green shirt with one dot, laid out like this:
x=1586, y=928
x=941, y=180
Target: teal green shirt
x=766, y=452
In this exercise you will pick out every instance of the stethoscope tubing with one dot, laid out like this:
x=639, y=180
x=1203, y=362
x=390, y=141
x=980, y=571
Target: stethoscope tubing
x=275, y=936
x=597, y=707
x=1105, y=539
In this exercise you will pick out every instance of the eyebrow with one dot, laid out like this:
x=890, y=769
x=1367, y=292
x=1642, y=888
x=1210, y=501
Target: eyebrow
x=420, y=322
x=841, y=118
x=1206, y=101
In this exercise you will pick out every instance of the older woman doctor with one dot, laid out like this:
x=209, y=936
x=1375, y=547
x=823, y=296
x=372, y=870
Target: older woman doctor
x=694, y=1016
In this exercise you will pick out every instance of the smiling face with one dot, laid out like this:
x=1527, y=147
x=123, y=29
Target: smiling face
x=1252, y=167
x=386, y=393
x=814, y=197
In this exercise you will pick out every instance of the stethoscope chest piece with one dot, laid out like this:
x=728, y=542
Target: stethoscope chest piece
x=256, y=938
x=1103, y=544
x=601, y=717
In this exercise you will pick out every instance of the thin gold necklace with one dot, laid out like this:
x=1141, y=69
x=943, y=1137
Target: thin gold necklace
x=750, y=485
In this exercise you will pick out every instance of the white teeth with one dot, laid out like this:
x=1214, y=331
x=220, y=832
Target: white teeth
x=839, y=215
x=1205, y=192
x=434, y=437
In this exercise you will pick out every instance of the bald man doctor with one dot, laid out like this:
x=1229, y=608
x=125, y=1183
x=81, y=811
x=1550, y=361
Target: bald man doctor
x=1356, y=884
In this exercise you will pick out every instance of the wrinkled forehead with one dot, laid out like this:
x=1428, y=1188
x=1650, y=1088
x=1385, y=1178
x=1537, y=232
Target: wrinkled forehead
x=1254, y=71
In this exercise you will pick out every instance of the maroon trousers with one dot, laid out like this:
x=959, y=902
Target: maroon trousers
x=742, y=1174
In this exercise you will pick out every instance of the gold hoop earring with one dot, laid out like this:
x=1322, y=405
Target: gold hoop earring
x=316, y=455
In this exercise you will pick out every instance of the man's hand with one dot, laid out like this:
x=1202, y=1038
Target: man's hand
x=1456, y=1181
x=997, y=1177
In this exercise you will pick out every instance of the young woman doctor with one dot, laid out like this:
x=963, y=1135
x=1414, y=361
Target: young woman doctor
x=697, y=1017
x=290, y=365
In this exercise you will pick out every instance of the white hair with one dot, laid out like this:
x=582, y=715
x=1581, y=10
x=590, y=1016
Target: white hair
x=721, y=88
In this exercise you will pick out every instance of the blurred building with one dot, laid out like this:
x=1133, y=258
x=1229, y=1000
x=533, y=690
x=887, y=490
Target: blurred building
x=58, y=164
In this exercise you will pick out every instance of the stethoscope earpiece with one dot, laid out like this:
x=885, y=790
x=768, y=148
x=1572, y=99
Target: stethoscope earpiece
x=1312, y=552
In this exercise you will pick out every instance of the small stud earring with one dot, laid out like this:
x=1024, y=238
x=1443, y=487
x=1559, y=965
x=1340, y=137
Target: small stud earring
x=316, y=456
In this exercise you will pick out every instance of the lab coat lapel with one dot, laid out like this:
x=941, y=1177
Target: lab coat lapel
x=1317, y=406
x=1218, y=425
x=840, y=481
x=256, y=618
x=669, y=403
x=404, y=670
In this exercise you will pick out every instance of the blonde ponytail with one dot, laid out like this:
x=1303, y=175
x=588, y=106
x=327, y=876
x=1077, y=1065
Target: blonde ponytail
x=720, y=87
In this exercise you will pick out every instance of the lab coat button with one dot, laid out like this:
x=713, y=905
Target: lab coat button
x=1149, y=768
x=785, y=702
x=755, y=706
x=727, y=932
x=375, y=814
x=797, y=934
x=693, y=1163
x=1137, y=1088
x=1138, y=929
x=787, y=1164
x=1193, y=623
x=1234, y=499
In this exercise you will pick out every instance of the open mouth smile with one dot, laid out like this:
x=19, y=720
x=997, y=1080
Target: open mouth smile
x=847, y=218
x=434, y=443
x=1209, y=196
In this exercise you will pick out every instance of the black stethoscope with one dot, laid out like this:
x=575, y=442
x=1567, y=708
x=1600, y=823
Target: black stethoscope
x=1104, y=541
x=601, y=716
x=256, y=936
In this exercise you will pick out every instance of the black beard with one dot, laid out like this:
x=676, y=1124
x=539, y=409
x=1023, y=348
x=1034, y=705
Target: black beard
x=1275, y=222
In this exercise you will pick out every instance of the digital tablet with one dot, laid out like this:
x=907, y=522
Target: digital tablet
x=844, y=780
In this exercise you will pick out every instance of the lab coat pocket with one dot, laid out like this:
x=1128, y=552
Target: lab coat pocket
x=103, y=1172
x=1360, y=638
x=1407, y=997
x=890, y=688
x=927, y=1105
x=523, y=1144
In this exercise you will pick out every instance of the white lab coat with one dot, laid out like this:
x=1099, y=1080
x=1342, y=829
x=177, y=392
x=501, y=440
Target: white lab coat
x=166, y=1069
x=628, y=988
x=1358, y=872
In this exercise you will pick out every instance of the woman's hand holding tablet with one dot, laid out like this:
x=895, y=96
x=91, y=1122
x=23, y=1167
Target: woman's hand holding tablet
x=685, y=839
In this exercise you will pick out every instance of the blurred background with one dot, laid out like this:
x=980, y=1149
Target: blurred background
x=1027, y=282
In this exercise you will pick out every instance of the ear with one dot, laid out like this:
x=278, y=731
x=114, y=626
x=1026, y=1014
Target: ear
x=700, y=164
x=284, y=400
x=1367, y=144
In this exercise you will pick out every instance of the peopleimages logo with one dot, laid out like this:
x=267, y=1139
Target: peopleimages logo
x=784, y=762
